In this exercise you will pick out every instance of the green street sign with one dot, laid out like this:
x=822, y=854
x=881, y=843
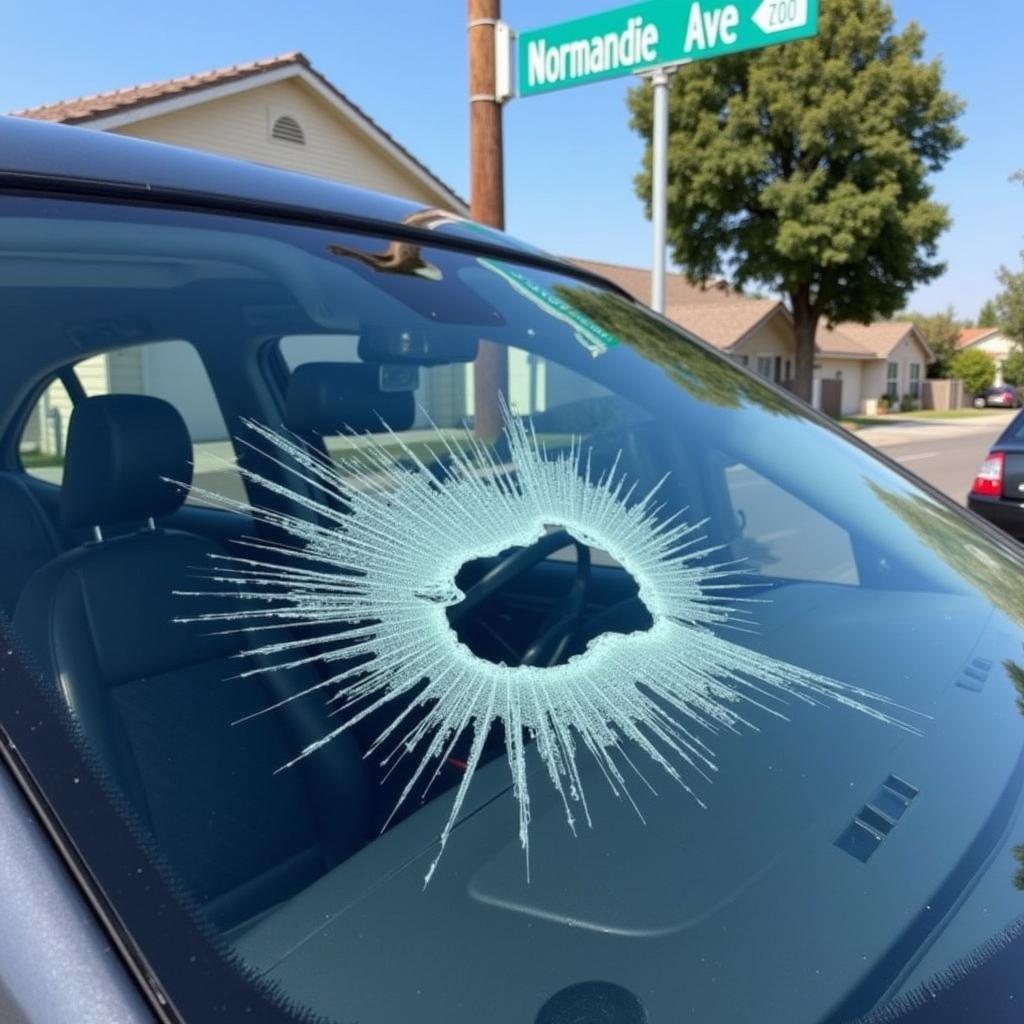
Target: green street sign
x=644, y=35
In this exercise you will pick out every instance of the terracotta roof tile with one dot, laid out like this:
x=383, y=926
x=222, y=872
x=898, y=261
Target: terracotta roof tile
x=85, y=108
x=969, y=335
x=88, y=108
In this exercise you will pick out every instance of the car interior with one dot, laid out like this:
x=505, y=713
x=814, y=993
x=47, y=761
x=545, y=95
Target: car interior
x=99, y=541
x=101, y=537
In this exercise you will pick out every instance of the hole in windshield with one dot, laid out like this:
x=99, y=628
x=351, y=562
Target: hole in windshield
x=535, y=605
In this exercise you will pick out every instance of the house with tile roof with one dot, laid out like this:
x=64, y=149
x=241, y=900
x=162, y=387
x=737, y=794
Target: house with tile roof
x=279, y=111
x=887, y=357
x=991, y=341
x=854, y=364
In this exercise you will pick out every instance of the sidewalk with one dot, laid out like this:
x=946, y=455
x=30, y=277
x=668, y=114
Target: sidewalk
x=903, y=430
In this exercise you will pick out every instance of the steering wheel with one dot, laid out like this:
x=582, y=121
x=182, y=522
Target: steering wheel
x=560, y=623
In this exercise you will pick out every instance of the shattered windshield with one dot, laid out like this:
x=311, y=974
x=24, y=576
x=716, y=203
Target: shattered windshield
x=522, y=624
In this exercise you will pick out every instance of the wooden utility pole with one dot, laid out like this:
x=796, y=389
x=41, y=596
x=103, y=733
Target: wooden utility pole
x=486, y=194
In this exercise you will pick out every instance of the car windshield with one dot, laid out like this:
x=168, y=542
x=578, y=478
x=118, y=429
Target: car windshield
x=452, y=633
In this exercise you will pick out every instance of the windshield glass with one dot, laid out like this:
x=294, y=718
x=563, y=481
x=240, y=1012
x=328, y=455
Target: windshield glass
x=512, y=649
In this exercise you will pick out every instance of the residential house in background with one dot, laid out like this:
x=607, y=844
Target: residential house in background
x=854, y=363
x=989, y=340
x=280, y=112
x=887, y=357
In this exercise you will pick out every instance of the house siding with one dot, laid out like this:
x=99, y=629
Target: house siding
x=239, y=126
x=772, y=339
x=907, y=353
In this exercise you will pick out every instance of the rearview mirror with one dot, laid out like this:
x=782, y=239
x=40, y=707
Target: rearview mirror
x=424, y=348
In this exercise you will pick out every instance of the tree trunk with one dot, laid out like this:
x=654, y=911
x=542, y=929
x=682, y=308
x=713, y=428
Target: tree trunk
x=805, y=325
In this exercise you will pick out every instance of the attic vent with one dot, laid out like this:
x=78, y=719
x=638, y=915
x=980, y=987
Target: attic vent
x=287, y=129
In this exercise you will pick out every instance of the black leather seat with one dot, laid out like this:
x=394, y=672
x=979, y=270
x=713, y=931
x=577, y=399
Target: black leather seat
x=156, y=698
x=27, y=538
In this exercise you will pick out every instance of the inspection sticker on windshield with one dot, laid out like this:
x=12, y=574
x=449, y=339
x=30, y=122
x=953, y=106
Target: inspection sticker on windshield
x=591, y=335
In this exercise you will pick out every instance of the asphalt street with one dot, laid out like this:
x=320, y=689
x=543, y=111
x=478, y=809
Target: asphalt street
x=946, y=457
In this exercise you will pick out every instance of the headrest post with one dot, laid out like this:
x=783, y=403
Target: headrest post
x=97, y=534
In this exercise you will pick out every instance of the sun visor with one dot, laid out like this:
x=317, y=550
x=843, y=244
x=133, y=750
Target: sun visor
x=342, y=398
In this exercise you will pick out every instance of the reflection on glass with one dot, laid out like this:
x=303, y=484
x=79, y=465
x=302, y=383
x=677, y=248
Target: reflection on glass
x=961, y=546
x=703, y=374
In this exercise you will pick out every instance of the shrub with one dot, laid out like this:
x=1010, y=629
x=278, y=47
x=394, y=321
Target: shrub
x=975, y=368
x=1013, y=368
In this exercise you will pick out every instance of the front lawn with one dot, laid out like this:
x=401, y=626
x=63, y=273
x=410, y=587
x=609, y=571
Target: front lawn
x=895, y=418
x=945, y=414
x=34, y=460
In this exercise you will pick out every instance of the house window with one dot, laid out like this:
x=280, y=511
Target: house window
x=789, y=371
x=892, y=381
x=743, y=360
x=914, y=386
x=764, y=366
x=287, y=129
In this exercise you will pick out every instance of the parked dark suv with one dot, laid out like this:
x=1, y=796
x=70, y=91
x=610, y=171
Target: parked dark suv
x=401, y=624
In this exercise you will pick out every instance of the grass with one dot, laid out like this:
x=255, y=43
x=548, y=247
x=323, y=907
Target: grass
x=894, y=419
x=947, y=414
x=35, y=460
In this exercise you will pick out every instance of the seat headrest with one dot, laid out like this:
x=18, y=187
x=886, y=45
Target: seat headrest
x=336, y=398
x=119, y=447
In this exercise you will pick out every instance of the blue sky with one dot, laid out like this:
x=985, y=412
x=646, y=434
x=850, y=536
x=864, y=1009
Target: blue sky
x=570, y=157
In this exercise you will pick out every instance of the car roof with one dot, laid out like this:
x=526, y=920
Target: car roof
x=36, y=156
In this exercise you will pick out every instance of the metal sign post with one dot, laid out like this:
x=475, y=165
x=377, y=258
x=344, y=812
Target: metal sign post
x=659, y=186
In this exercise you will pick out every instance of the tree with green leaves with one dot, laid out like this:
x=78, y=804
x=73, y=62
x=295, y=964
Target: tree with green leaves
x=941, y=331
x=988, y=315
x=1013, y=367
x=975, y=368
x=1009, y=303
x=803, y=167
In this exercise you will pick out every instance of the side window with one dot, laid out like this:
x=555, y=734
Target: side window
x=779, y=535
x=892, y=380
x=171, y=370
x=41, y=447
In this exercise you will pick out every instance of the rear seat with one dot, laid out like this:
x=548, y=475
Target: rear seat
x=27, y=538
